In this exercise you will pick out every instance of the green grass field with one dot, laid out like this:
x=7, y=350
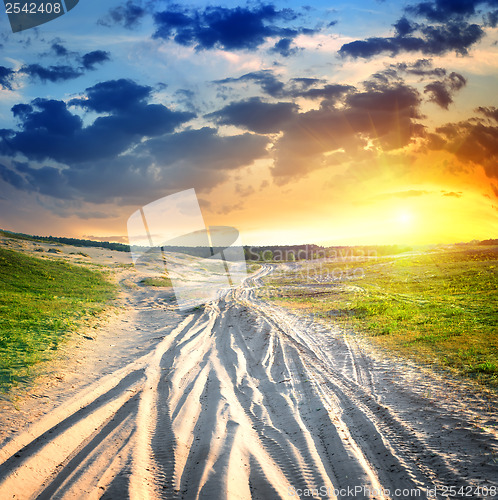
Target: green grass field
x=40, y=301
x=435, y=307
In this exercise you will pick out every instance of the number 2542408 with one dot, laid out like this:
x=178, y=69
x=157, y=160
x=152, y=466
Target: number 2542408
x=33, y=8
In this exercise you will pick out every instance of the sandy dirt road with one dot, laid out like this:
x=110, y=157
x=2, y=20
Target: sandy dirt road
x=239, y=400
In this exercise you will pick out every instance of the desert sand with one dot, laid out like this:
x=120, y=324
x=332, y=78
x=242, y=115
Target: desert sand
x=239, y=399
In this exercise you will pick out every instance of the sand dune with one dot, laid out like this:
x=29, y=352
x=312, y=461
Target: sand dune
x=244, y=400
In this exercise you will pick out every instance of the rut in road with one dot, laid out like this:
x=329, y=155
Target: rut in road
x=238, y=401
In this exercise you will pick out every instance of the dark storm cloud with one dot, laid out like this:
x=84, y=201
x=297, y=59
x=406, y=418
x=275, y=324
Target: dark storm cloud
x=256, y=115
x=50, y=131
x=6, y=77
x=192, y=158
x=456, y=36
x=128, y=15
x=114, y=95
x=129, y=155
x=404, y=27
x=443, y=10
x=226, y=28
x=90, y=59
x=13, y=178
x=46, y=180
x=441, y=92
x=206, y=149
x=64, y=72
x=58, y=73
x=52, y=116
x=474, y=140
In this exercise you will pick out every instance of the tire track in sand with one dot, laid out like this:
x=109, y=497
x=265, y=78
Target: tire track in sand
x=238, y=401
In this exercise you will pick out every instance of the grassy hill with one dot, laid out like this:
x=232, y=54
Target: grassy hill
x=77, y=242
x=40, y=301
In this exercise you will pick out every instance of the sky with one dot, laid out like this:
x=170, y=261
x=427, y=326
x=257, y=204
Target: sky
x=338, y=123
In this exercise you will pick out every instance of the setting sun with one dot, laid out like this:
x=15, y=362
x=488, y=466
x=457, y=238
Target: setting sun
x=405, y=218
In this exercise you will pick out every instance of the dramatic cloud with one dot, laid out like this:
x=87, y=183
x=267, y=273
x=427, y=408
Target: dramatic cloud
x=130, y=153
x=382, y=116
x=50, y=131
x=192, y=158
x=58, y=73
x=64, y=72
x=443, y=10
x=349, y=122
x=46, y=180
x=386, y=99
x=256, y=115
x=90, y=59
x=113, y=95
x=404, y=27
x=204, y=150
x=226, y=28
x=52, y=116
x=474, y=140
x=456, y=36
x=13, y=178
x=441, y=92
